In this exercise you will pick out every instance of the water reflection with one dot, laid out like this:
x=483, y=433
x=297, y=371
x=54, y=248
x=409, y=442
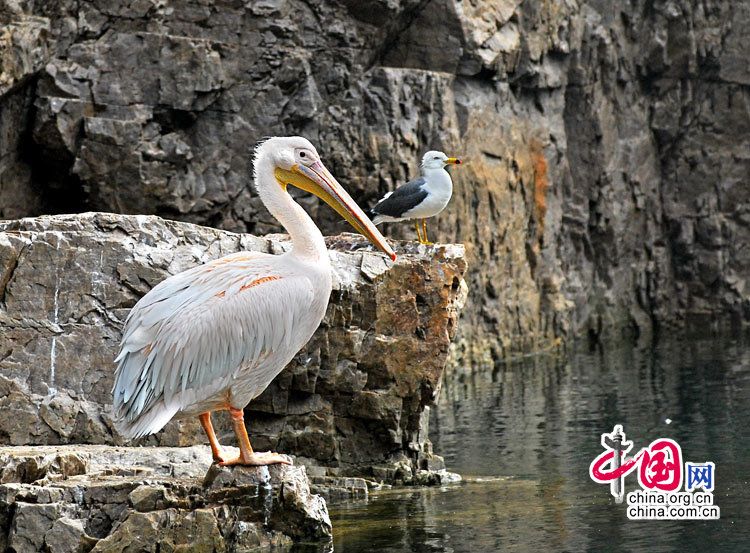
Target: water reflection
x=525, y=435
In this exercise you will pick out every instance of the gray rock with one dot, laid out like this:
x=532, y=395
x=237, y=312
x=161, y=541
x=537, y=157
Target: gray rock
x=68, y=536
x=29, y=525
x=111, y=508
x=594, y=132
x=40, y=466
x=353, y=398
x=24, y=46
x=337, y=487
x=148, y=497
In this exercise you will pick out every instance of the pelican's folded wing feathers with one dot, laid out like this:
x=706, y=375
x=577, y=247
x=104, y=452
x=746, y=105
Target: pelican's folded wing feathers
x=196, y=331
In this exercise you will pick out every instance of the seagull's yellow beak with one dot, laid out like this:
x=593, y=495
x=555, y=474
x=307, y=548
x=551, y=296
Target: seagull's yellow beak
x=317, y=180
x=453, y=161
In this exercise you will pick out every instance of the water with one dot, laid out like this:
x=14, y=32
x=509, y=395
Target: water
x=524, y=436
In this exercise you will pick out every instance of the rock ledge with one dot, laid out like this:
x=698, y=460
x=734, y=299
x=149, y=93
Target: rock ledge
x=115, y=499
x=353, y=403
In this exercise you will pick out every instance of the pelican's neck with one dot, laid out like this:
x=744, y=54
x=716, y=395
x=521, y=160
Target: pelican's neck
x=307, y=240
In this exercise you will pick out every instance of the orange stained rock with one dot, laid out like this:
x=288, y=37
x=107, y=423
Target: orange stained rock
x=541, y=185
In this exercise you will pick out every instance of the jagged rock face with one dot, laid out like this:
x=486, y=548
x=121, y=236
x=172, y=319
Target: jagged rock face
x=111, y=500
x=606, y=183
x=354, y=400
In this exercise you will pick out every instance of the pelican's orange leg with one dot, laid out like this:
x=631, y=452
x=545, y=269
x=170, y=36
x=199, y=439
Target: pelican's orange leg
x=205, y=419
x=247, y=455
x=238, y=421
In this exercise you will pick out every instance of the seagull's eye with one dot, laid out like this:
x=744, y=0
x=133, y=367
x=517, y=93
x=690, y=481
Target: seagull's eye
x=435, y=157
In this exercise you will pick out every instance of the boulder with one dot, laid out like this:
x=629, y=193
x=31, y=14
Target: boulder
x=112, y=507
x=354, y=398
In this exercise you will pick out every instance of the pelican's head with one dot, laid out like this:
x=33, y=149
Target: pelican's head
x=297, y=163
x=437, y=160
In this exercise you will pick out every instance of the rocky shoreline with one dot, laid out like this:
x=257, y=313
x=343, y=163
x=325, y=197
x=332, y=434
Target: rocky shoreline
x=116, y=499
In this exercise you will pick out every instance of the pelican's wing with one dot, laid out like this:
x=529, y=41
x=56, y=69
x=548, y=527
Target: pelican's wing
x=196, y=330
x=401, y=200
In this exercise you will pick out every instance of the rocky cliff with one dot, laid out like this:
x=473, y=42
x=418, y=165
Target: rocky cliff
x=606, y=184
x=355, y=400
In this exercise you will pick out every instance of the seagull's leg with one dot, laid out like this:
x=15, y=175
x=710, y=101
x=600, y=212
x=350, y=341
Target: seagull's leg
x=416, y=226
x=205, y=419
x=424, y=233
x=247, y=455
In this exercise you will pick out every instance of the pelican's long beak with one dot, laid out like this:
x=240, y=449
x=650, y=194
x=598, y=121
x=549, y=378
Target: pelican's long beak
x=453, y=161
x=317, y=180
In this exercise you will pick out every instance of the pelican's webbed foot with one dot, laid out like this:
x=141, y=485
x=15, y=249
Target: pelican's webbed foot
x=258, y=459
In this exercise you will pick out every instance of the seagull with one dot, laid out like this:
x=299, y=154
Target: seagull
x=423, y=197
x=215, y=336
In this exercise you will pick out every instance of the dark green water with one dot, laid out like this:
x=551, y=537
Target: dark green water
x=523, y=438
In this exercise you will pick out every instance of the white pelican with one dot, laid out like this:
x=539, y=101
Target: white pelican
x=213, y=337
x=423, y=197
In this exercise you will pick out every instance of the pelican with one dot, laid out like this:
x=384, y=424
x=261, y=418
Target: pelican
x=423, y=197
x=215, y=336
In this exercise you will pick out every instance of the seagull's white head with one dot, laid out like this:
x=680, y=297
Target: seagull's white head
x=437, y=160
x=296, y=162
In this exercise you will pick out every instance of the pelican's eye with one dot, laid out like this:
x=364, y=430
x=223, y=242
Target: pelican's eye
x=305, y=157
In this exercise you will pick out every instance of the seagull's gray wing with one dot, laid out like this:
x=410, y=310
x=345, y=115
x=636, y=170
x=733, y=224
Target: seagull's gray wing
x=402, y=199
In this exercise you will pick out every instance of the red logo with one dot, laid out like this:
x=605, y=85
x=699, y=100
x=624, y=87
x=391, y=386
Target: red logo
x=660, y=464
x=660, y=475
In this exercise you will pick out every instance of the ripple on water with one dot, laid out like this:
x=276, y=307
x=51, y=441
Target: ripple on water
x=524, y=436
